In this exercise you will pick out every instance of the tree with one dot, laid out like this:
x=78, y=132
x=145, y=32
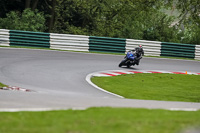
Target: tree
x=137, y=19
x=189, y=20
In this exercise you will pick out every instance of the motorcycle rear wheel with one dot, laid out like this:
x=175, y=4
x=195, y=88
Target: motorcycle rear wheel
x=128, y=65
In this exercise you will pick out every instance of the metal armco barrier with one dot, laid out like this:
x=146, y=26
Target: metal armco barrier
x=29, y=39
x=97, y=44
x=69, y=42
x=151, y=48
x=4, y=37
x=178, y=50
x=107, y=44
x=197, y=52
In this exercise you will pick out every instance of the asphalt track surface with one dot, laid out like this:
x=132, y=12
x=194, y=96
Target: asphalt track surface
x=57, y=80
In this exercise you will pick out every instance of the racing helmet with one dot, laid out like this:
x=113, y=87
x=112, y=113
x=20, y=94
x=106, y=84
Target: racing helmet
x=140, y=46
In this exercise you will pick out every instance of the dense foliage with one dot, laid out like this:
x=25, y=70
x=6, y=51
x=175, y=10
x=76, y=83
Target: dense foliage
x=167, y=20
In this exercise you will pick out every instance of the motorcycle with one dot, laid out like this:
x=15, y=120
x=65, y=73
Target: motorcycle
x=130, y=59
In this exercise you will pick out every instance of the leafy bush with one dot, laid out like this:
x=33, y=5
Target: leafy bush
x=28, y=20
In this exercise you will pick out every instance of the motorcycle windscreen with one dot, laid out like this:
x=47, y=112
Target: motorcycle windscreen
x=129, y=54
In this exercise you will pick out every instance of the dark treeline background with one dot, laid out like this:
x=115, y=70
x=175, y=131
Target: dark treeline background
x=156, y=20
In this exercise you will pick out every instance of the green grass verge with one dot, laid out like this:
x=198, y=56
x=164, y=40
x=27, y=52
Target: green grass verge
x=167, y=87
x=99, y=52
x=2, y=85
x=99, y=120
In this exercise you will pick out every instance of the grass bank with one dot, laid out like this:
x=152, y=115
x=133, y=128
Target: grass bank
x=167, y=87
x=99, y=120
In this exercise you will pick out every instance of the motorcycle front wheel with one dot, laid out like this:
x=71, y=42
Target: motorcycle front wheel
x=122, y=63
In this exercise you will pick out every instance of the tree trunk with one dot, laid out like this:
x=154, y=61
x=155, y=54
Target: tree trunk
x=27, y=4
x=51, y=22
x=34, y=4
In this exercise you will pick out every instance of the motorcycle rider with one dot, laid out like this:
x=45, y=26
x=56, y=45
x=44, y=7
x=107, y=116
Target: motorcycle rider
x=139, y=53
x=133, y=57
